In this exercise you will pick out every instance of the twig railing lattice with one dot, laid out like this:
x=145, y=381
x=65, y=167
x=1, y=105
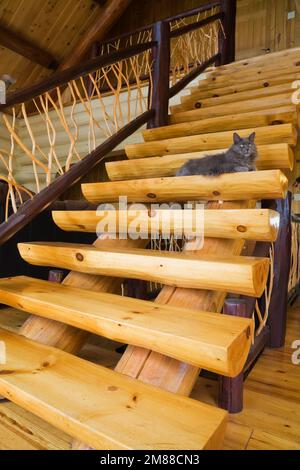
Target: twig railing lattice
x=58, y=129
x=72, y=122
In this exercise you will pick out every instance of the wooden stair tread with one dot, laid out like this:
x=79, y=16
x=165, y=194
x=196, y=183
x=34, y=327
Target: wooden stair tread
x=193, y=102
x=244, y=275
x=237, y=107
x=267, y=184
x=201, y=91
x=250, y=224
x=260, y=118
x=105, y=409
x=204, y=339
x=282, y=133
x=270, y=157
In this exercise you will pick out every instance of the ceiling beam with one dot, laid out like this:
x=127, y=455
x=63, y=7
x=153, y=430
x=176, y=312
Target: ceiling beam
x=15, y=42
x=107, y=16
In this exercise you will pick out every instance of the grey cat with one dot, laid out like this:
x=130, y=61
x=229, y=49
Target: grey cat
x=240, y=156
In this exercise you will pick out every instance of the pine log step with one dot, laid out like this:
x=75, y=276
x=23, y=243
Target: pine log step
x=270, y=157
x=247, y=224
x=260, y=118
x=236, y=274
x=232, y=76
x=238, y=107
x=201, y=92
x=193, y=102
x=276, y=60
x=103, y=408
x=213, y=80
x=282, y=133
x=267, y=184
x=218, y=343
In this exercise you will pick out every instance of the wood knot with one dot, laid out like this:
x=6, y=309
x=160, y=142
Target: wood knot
x=151, y=195
x=297, y=63
x=216, y=193
x=276, y=122
x=79, y=257
x=266, y=84
x=198, y=104
x=112, y=388
x=248, y=332
x=241, y=228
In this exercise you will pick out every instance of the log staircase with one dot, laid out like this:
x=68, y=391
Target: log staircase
x=170, y=339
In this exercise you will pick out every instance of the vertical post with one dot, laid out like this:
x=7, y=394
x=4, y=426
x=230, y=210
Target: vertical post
x=231, y=389
x=161, y=74
x=95, y=51
x=282, y=260
x=227, y=43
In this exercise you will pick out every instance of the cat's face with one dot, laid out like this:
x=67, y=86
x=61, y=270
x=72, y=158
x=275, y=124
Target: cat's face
x=244, y=146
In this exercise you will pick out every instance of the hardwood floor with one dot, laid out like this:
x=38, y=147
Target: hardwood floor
x=270, y=419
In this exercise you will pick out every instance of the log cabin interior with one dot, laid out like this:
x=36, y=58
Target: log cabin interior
x=142, y=309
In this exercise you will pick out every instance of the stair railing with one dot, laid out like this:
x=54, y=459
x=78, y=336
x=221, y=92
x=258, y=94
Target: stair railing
x=98, y=104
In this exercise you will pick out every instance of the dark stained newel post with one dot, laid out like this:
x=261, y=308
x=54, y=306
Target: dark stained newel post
x=161, y=74
x=227, y=43
x=282, y=260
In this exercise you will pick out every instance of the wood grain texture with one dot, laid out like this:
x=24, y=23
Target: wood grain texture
x=20, y=45
x=263, y=117
x=47, y=382
x=271, y=156
x=269, y=102
x=203, y=339
x=60, y=335
x=271, y=387
x=196, y=102
x=201, y=92
x=268, y=184
x=243, y=275
x=248, y=224
x=277, y=134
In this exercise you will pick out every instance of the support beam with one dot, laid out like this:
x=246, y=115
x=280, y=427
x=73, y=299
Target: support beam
x=20, y=45
x=108, y=15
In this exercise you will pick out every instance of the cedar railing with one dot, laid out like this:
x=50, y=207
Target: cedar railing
x=155, y=60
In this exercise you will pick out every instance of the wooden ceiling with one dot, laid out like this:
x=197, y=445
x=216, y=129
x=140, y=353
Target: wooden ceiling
x=53, y=25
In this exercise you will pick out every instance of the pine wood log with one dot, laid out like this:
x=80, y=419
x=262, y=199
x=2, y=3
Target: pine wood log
x=242, y=275
x=267, y=184
x=282, y=133
x=203, y=339
x=270, y=157
x=263, y=117
x=99, y=406
x=249, y=224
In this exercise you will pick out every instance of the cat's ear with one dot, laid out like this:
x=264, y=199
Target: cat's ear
x=236, y=138
x=252, y=137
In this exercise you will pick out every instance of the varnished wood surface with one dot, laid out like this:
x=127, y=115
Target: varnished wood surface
x=47, y=382
x=270, y=420
x=216, y=342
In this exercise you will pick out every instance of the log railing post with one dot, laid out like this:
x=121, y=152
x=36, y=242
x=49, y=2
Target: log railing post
x=231, y=389
x=227, y=43
x=282, y=259
x=95, y=52
x=161, y=74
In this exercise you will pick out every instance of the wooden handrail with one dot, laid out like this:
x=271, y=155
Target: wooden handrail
x=198, y=24
x=72, y=73
x=31, y=208
x=186, y=14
